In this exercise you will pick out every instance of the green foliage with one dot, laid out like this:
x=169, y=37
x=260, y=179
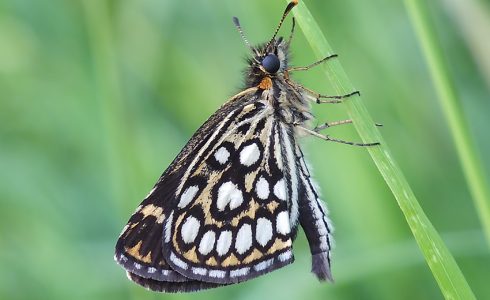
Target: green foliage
x=97, y=97
x=447, y=273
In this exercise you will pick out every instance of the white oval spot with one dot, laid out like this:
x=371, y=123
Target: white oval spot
x=280, y=189
x=224, y=243
x=244, y=239
x=249, y=155
x=207, y=242
x=190, y=229
x=282, y=223
x=262, y=188
x=263, y=232
x=188, y=195
x=222, y=155
x=229, y=193
x=168, y=227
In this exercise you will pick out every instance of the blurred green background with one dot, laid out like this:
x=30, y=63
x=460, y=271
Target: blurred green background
x=97, y=97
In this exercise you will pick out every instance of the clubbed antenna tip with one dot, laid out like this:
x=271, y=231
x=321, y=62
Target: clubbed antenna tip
x=290, y=6
x=242, y=34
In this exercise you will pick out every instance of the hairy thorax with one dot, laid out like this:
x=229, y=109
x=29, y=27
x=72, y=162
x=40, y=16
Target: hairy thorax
x=287, y=100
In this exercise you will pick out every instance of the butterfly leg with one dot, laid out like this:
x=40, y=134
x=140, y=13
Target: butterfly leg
x=331, y=124
x=313, y=64
x=316, y=97
x=332, y=139
x=336, y=123
x=333, y=99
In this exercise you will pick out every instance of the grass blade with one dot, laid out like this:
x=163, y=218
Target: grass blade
x=470, y=161
x=442, y=264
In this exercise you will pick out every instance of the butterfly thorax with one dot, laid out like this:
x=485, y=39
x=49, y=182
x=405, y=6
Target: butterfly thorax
x=268, y=72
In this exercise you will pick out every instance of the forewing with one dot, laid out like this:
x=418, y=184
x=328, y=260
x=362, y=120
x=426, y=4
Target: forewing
x=139, y=247
x=231, y=219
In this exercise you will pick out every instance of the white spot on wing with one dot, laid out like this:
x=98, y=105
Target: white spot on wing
x=177, y=261
x=207, y=242
x=263, y=232
x=168, y=227
x=188, y=195
x=190, y=229
x=202, y=150
x=224, y=242
x=222, y=155
x=262, y=188
x=229, y=193
x=280, y=189
x=199, y=271
x=282, y=223
x=217, y=274
x=324, y=243
x=243, y=239
x=249, y=155
x=264, y=265
x=239, y=272
x=285, y=256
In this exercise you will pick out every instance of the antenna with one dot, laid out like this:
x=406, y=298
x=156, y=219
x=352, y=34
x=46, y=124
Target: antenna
x=242, y=34
x=292, y=32
x=290, y=6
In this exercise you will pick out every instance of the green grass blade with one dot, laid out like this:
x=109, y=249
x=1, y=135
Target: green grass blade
x=442, y=264
x=470, y=161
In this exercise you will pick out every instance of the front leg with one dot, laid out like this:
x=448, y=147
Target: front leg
x=293, y=69
x=317, y=97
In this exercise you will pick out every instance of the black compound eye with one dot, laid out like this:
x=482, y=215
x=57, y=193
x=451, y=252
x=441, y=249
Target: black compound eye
x=271, y=63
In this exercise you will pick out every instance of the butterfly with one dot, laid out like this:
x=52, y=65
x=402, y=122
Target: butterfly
x=228, y=207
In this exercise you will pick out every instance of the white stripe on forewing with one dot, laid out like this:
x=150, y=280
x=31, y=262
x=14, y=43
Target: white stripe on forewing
x=201, y=151
x=204, y=150
x=277, y=149
x=293, y=174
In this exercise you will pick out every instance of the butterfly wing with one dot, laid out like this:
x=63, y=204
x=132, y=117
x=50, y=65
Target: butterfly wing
x=227, y=208
x=231, y=219
x=313, y=217
x=171, y=287
x=139, y=247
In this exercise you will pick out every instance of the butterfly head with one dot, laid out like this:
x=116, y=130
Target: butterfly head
x=271, y=63
x=270, y=58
